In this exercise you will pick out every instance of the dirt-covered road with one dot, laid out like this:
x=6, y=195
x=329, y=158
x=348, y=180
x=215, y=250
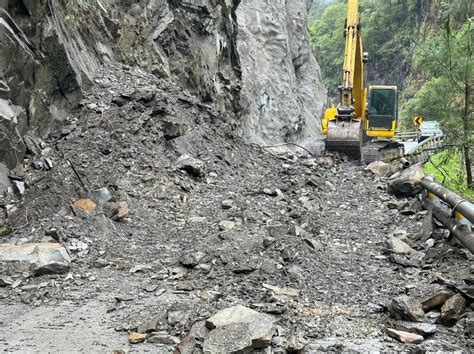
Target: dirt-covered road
x=197, y=222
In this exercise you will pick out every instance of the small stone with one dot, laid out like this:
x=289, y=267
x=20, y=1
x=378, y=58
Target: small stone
x=227, y=204
x=191, y=165
x=178, y=316
x=163, y=338
x=269, y=192
x=173, y=130
x=423, y=329
x=268, y=242
x=436, y=300
x=5, y=281
x=86, y=204
x=151, y=288
x=404, y=337
x=397, y=246
x=100, y=263
x=314, y=244
x=226, y=225
x=135, y=338
x=404, y=308
x=295, y=230
x=378, y=168
x=19, y=187
x=452, y=309
x=102, y=195
x=140, y=268
x=282, y=294
x=277, y=231
x=147, y=326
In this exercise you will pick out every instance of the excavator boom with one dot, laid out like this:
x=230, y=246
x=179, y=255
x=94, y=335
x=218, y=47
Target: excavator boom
x=349, y=125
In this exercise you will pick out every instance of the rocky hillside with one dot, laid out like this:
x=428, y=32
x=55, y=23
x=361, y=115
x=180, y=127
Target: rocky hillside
x=250, y=61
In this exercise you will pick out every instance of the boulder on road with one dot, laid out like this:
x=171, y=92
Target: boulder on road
x=404, y=337
x=404, y=308
x=36, y=258
x=193, y=166
x=238, y=329
x=406, y=183
x=378, y=168
x=452, y=309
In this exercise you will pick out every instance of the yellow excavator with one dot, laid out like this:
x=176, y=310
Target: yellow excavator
x=365, y=119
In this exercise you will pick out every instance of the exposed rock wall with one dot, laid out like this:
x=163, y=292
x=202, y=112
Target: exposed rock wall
x=251, y=60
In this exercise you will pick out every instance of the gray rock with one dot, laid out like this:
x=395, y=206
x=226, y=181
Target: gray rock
x=437, y=300
x=147, y=326
x=238, y=328
x=227, y=204
x=404, y=337
x=36, y=258
x=193, y=166
x=173, y=130
x=5, y=184
x=378, y=168
x=397, y=246
x=452, y=309
x=404, y=308
x=423, y=329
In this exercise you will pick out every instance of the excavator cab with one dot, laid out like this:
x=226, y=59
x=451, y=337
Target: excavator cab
x=382, y=111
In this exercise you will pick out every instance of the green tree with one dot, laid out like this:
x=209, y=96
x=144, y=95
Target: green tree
x=447, y=96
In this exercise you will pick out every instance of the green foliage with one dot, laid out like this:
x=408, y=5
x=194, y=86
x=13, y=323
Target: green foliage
x=449, y=169
x=328, y=43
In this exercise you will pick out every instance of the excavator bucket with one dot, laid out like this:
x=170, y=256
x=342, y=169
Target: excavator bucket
x=344, y=137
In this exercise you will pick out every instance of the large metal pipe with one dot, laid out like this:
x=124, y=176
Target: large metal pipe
x=465, y=237
x=457, y=202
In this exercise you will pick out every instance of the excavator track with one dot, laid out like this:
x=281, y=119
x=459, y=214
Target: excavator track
x=381, y=151
x=344, y=137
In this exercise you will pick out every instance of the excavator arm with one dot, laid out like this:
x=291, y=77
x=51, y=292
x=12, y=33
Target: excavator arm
x=362, y=113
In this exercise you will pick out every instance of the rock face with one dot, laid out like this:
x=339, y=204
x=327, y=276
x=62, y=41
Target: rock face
x=251, y=61
x=37, y=258
x=282, y=96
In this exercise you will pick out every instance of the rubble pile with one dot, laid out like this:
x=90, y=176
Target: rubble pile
x=146, y=224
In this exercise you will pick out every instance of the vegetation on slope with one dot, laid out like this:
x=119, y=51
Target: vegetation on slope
x=422, y=46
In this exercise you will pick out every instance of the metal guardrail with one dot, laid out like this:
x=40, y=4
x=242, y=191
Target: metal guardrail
x=462, y=209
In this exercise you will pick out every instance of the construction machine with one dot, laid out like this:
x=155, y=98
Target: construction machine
x=365, y=118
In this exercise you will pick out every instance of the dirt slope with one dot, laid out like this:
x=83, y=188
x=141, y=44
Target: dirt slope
x=193, y=244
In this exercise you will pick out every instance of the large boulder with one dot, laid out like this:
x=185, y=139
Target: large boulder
x=34, y=258
x=238, y=329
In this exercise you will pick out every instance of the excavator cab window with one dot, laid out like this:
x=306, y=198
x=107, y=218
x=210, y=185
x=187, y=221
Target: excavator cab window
x=382, y=108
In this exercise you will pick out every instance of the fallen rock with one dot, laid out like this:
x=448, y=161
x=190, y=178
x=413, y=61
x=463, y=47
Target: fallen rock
x=436, y=300
x=282, y=294
x=237, y=329
x=173, y=130
x=163, y=338
x=406, y=183
x=5, y=281
x=226, y=225
x=404, y=337
x=378, y=168
x=452, y=309
x=397, y=246
x=35, y=258
x=191, y=165
x=423, y=329
x=314, y=244
x=86, y=204
x=135, y=338
x=227, y=204
x=194, y=338
x=404, y=308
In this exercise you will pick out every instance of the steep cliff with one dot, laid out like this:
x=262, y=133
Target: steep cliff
x=250, y=60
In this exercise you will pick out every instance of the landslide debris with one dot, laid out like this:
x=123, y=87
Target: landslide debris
x=186, y=227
